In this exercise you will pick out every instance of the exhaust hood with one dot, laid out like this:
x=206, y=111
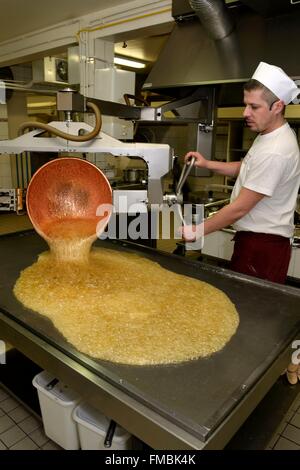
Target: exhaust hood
x=193, y=57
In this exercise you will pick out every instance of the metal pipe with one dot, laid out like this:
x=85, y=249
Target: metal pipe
x=64, y=135
x=214, y=16
x=216, y=203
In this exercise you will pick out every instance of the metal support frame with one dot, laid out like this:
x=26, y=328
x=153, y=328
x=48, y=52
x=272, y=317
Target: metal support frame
x=158, y=157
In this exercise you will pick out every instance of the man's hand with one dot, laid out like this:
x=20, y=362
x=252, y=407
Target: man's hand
x=191, y=233
x=200, y=161
x=220, y=168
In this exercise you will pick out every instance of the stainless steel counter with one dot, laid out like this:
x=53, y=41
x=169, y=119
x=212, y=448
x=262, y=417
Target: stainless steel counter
x=198, y=404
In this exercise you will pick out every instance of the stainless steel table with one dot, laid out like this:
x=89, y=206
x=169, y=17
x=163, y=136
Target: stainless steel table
x=194, y=405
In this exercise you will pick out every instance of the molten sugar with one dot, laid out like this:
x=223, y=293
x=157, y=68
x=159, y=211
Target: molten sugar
x=124, y=308
x=71, y=239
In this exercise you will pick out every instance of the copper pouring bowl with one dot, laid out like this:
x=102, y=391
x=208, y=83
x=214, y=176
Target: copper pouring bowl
x=69, y=192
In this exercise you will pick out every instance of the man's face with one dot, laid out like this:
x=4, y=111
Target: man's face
x=258, y=115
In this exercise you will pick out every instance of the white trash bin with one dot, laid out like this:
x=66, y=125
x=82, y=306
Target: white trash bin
x=92, y=428
x=57, y=402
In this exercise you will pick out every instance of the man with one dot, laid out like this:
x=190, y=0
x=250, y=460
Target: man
x=264, y=196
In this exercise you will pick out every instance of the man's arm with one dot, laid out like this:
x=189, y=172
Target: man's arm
x=220, y=168
x=228, y=215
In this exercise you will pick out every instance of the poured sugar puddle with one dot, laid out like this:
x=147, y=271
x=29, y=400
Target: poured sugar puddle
x=122, y=307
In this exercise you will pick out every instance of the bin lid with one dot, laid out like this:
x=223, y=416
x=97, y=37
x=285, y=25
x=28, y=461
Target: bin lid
x=60, y=391
x=87, y=414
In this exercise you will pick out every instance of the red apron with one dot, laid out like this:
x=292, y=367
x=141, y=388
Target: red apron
x=262, y=255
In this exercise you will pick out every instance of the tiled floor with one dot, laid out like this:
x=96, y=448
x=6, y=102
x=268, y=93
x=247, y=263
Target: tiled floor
x=287, y=436
x=20, y=429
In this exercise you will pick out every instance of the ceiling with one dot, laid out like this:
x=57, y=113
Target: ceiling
x=24, y=16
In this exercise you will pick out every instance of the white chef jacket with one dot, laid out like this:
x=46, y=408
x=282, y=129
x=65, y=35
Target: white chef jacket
x=271, y=167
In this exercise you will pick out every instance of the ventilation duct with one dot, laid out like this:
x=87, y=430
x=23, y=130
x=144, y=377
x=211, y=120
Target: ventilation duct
x=214, y=17
x=213, y=43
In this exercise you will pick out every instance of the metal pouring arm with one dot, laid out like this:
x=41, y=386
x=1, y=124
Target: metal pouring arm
x=184, y=174
x=158, y=157
x=69, y=100
x=176, y=198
